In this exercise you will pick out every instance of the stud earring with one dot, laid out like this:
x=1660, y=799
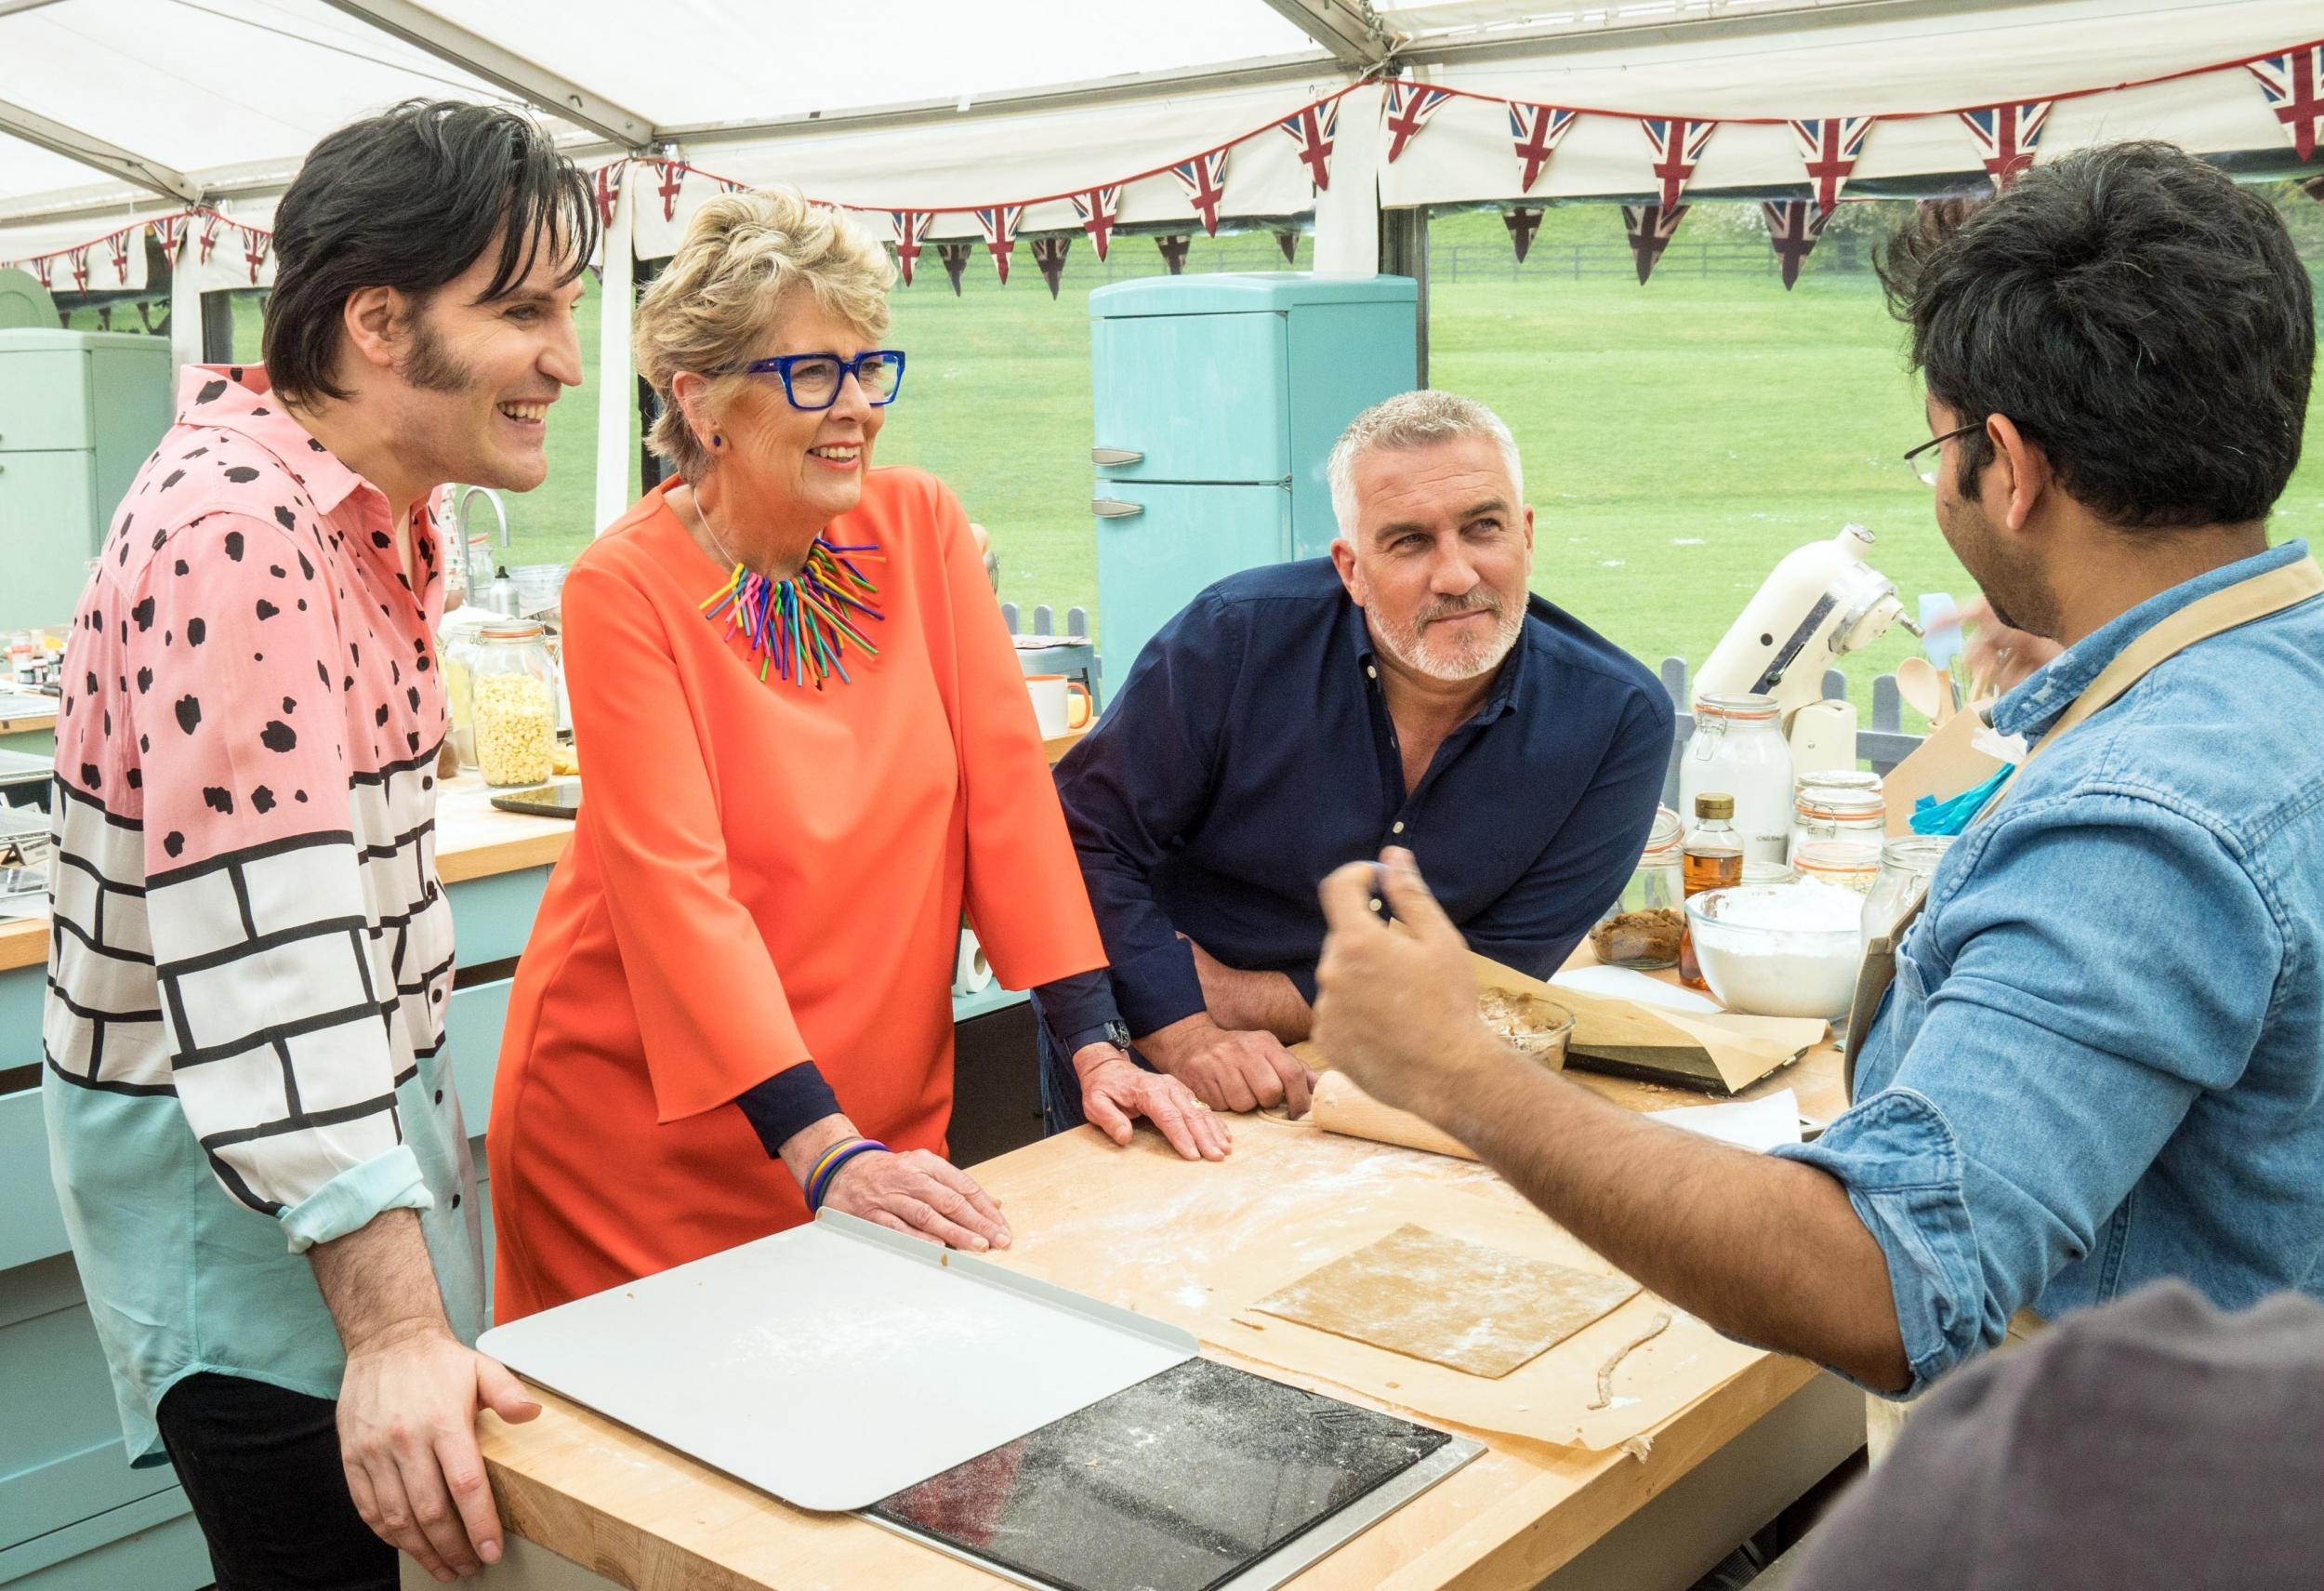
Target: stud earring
x=717, y=440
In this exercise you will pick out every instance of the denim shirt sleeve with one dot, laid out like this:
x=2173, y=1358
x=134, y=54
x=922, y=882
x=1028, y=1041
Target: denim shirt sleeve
x=1135, y=785
x=1538, y=920
x=2105, y=961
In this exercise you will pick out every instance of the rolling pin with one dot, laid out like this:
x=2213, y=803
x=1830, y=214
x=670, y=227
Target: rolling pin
x=1338, y=1105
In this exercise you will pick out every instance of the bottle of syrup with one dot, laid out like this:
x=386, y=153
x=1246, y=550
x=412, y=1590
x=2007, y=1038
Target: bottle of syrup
x=1711, y=859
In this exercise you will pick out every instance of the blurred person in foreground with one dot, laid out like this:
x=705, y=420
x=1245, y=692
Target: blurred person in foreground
x=2152, y=1445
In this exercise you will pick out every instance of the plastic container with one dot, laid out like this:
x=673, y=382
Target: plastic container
x=513, y=684
x=1778, y=949
x=540, y=589
x=1643, y=928
x=1739, y=748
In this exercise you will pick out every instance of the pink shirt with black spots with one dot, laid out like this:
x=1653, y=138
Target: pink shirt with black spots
x=249, y=929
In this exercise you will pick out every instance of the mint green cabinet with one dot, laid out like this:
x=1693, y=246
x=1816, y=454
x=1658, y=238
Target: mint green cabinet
x=79, y=413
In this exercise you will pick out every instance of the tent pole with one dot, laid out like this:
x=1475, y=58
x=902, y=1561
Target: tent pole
x=1404, y=252
x=185, y=311
x=1347, y=214
x=615, y=434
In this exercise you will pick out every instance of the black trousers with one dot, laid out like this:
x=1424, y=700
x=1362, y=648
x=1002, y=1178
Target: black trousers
x=261, y=1467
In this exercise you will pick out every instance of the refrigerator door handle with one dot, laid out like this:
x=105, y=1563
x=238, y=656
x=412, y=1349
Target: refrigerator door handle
x=1116, y=458
x=1113, y=508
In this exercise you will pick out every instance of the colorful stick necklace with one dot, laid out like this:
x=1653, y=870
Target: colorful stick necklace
x=798, y=629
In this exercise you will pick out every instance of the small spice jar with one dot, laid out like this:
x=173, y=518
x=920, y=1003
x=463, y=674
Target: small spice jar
x=512, y=684
x=1641, y=929
x=1851, y=864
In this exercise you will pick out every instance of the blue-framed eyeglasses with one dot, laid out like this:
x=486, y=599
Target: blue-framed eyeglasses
x=812, y=381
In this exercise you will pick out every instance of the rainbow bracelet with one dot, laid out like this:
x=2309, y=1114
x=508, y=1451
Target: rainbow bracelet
x=828, y=1163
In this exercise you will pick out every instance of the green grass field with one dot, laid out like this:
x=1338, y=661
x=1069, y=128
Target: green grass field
x=1678, y=438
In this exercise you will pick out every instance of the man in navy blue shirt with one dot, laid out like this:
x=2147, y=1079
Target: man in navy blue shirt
x=1406, y=690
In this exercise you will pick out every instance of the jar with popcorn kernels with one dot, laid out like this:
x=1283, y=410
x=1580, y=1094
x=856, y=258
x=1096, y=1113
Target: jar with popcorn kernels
x=512, y=684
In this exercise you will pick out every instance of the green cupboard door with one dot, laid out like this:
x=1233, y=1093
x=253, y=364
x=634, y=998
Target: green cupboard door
x=1159, y=544
x=45, y=512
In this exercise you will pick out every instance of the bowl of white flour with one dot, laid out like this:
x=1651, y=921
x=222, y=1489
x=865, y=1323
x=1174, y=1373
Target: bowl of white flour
x=1788, y=949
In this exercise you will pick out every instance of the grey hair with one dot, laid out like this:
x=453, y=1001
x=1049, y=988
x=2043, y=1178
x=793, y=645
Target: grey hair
x=1418, y=419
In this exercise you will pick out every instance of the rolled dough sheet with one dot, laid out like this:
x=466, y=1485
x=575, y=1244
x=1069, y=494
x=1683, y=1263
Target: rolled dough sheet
x=1449, y=1301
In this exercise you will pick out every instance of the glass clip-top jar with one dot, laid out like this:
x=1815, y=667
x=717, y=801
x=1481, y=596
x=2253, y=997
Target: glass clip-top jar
x=1641, y=929
x=512, y=687
x=1825, y=811
x=1737, y=748
x=1907, y=863
x=1850, y=864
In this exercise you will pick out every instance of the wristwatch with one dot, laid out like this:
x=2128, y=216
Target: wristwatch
x=1116, y=1032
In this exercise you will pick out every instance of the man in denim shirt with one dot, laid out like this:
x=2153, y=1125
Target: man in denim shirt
x=2102, y=1059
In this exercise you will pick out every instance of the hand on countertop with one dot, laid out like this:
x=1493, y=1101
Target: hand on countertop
x=1115, y=1091
x=921, y=1194
x=1230, y=1068
x=408, y=1438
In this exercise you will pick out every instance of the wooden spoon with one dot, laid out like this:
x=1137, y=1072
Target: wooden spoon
x=1928, y=691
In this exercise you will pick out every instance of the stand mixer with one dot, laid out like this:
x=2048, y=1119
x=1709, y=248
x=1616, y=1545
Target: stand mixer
x=1821, y=603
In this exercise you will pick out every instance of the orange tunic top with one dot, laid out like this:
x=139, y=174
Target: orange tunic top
x=763, y=874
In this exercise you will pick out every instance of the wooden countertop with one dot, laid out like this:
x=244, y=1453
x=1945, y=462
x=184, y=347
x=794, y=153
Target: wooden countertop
x=1134, y=1226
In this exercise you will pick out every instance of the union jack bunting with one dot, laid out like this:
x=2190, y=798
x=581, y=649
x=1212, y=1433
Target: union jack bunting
x=117, y=253
x=955, y=259
x=1000, y=226
x=208, y=238
x=2294, y=86
x=42, y=265
x=1535, y=130
x=1313, y=129
x=1650, y=228
x=1523, y=222
x=672, y=176
x=1793, y=225
x=911, y=233
x=1409, y=105
x=79, y=261
x=1097, y=209
x=1204, y=178
x=1173, y=246
x=254, y=244
x=1831, y=145
x=605, y=184
x=1048, y=253
x=1678, y=146
x=2006, y=135
x=169, y=232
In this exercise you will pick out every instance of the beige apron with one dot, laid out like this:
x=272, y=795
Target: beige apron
x=2237, y=605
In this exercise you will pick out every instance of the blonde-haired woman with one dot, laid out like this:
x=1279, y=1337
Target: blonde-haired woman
x=806, y=744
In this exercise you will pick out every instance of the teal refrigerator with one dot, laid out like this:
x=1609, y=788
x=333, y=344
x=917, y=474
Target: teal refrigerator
x=1217, y=400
